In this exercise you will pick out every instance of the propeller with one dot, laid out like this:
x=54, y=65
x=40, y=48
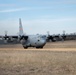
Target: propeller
x=5, y=37
x=23, y=37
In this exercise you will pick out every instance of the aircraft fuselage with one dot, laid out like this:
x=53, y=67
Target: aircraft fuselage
x=34, y=41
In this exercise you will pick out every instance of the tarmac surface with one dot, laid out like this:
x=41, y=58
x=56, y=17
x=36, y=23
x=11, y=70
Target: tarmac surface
x=51, y=46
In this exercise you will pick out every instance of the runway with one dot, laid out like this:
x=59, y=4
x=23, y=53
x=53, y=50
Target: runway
x=52, y=46
x=45, y=49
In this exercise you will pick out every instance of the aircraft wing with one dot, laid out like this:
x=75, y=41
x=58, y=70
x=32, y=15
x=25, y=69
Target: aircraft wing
x=54, y=38
x=15, y=37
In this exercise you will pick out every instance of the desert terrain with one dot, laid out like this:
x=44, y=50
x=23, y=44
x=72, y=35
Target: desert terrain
x=56, y=58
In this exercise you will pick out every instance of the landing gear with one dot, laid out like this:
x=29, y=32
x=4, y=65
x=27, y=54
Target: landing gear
x=25, y=47
x=39, y=47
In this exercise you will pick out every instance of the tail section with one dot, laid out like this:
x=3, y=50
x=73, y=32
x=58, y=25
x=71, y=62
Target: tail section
x=20, y=28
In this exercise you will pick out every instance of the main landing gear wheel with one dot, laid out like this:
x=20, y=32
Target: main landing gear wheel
x=39, y=47
x=25, y=47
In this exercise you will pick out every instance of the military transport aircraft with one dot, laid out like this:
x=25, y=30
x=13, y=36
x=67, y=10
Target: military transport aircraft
x=37, y=41
x=27, y=40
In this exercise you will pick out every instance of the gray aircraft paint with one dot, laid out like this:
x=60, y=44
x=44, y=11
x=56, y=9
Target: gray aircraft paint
x=33, y=40
x=26, y=40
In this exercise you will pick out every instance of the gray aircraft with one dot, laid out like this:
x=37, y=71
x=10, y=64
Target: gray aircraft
x=37, y=41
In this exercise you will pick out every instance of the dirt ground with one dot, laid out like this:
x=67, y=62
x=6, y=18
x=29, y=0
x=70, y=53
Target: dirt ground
x=57, y=58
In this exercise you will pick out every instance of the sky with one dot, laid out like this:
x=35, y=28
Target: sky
x=38, y=16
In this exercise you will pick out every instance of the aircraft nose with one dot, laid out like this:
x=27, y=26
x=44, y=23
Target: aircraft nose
x=43, y=42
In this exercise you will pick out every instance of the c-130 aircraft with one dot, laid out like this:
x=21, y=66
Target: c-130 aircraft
x=37, y=41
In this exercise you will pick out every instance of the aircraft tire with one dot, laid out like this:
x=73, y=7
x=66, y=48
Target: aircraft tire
x=39, y=47
x=25, y=47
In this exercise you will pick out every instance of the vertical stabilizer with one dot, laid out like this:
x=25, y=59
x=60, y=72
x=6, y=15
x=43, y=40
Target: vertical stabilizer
x=20, y=28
